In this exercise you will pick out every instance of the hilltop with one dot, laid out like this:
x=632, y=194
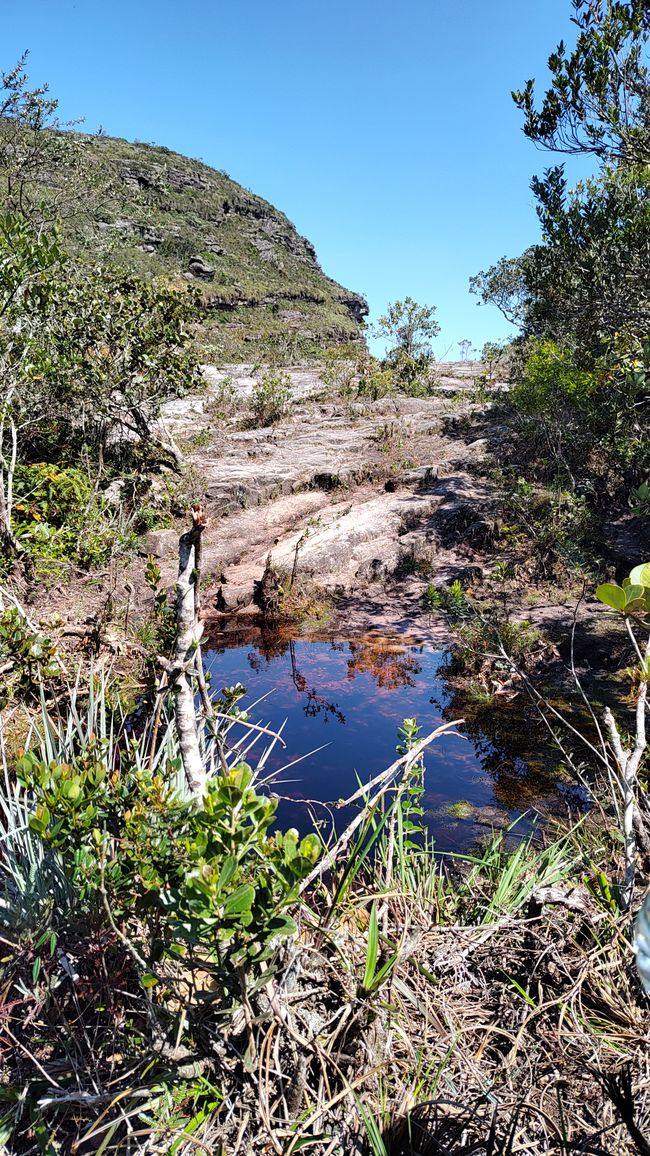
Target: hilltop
x=158, y=213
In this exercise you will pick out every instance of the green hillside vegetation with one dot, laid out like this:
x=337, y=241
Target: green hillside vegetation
x=166, y=215
x=147, y=210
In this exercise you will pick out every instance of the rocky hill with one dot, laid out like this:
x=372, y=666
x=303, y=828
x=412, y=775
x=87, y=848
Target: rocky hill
x=163, y=214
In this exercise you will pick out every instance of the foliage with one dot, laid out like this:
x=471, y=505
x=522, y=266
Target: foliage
x=588, y=277
x=480, y=643
x=452, y=599
x=97, y=362
x=552, y=384
x=598, y=99
x=408, y=328
x=580, y=296
x=549, y=526
x=496, y=356
x=588, y=427
x=137, y=948
x=27, y=658
x=211, y=878
x=58, y=516
x=157, y=632
x=271, y=398
x=640, y=500
x=632, y=598
x=34, y=146
x=28, y=258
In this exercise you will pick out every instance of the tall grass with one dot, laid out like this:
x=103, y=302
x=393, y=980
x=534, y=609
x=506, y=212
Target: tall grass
x=424, y=1004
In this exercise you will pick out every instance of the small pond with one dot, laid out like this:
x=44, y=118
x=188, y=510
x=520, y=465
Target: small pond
x=348, y=698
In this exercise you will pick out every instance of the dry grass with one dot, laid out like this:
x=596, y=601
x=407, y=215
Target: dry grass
x=487, y=1005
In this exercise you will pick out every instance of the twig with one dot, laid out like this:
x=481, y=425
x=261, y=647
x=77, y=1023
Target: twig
x=50, y=1079
x=381, y=781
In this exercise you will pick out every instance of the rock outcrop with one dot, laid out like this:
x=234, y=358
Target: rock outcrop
x=170, y=216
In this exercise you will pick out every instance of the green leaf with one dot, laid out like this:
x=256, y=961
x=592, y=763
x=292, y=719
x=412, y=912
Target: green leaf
x=612, y=595
x=372, y=949
x=634, y=594
x=148, y=980
x=281, y=925
x=227, y=872
x=240, y=901
x=640, y=575
x=310, y=848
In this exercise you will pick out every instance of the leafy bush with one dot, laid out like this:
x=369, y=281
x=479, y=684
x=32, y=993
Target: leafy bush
x=60, y=518
x=27, y=657
x=271, y=398
x=452, y=599
x=211, y=880
x=552, y=383
x=551, y=529
x=480, y=642
x=587, y=427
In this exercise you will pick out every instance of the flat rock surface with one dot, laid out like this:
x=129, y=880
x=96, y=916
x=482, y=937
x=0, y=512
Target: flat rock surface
x=359, y=489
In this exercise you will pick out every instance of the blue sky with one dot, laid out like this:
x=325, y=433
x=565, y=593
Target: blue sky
x=384, y=130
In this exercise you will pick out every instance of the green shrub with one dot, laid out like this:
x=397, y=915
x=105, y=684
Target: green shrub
x=552, y=382
x=210, y=881
x=451, y=599
x=553, y=528
x=480, y=641
x=27, y=657
x=59, y=518
x=271, y=398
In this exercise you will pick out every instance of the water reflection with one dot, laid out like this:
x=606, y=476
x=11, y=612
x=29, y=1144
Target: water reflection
x=386, y=660
x=350, y=697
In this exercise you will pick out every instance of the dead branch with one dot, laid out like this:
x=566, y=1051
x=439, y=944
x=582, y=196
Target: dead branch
x=183, y=666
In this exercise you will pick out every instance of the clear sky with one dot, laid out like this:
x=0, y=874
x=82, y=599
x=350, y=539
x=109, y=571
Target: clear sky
x=384, y=129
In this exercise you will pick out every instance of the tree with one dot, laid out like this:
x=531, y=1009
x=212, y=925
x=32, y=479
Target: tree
x=506, y=286
x=599, y=99
x=589, y=277
x=408, y=327
x=39, y=161
x=96, y=360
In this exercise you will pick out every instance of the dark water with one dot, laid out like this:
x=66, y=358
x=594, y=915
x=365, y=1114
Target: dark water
x=350, y=698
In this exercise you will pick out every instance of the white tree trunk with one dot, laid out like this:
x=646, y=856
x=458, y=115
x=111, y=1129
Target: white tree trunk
x=183, y=666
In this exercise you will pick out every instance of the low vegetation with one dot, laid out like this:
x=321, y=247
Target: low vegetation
x=179, y=972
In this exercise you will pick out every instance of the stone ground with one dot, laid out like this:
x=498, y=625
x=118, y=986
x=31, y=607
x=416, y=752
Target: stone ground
x=378, y=498
x=365, y=491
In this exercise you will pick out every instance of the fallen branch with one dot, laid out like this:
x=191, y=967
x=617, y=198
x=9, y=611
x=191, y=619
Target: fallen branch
x=382, y=782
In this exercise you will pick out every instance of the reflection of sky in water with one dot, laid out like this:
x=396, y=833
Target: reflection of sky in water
x=353, y=696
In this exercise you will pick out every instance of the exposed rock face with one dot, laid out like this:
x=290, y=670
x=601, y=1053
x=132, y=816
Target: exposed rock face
x=178, y=180
x=175, y=211
x=317, y=483
x=357, y=307
x=198, y=268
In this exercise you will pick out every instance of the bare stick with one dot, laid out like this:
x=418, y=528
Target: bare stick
x=628, y=763
x=7, y=471
x=184, y=659
x=382, y=781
